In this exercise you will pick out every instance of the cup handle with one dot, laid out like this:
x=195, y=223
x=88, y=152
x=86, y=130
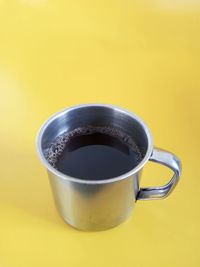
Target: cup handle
x=169, y=160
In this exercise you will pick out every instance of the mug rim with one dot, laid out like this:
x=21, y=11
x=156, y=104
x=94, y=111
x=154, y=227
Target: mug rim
x=68, y=178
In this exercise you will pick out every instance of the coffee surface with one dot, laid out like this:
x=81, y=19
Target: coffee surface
x=94, y=153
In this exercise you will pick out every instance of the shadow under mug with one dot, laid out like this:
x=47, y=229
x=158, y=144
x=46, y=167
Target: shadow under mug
x=94, y=205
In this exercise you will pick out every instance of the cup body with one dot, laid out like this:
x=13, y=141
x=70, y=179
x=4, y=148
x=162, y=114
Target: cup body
x=93, y=205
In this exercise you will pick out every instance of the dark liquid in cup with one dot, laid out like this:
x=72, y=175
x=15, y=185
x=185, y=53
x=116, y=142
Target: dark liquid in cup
x=94, y=153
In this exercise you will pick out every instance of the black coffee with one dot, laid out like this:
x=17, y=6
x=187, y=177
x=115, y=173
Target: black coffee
x=94, y=153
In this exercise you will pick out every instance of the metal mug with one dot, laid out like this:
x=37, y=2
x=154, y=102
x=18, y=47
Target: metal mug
x=94, y=205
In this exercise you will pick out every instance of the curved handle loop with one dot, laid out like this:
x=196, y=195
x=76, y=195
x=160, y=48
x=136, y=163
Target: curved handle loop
x=169, y=160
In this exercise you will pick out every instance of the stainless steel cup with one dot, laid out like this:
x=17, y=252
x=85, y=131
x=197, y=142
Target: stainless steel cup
x=94, y=205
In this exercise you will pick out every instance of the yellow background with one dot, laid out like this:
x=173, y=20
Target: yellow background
x=143, y=55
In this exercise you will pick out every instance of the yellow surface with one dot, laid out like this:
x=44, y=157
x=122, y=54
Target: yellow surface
x=140, y=55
